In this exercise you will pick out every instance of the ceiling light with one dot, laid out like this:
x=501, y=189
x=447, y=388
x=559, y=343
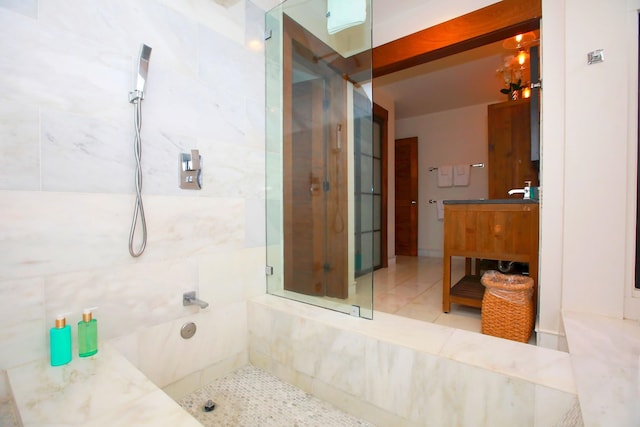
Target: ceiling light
x=520, y=41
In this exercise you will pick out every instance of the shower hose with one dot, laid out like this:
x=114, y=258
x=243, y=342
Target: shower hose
x=138, y=211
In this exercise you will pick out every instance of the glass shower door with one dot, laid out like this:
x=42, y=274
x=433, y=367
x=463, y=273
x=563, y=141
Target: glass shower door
x=313, y=80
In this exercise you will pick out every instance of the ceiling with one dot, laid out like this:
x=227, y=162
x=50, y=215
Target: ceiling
x=465, y=79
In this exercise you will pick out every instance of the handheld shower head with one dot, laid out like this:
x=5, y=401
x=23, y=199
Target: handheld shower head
x=141, y=75
x=143, y=67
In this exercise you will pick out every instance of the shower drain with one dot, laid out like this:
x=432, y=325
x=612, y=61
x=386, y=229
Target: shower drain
x=209, y=406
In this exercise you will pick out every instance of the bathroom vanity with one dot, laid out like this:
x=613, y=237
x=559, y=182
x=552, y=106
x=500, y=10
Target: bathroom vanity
x=495, y=229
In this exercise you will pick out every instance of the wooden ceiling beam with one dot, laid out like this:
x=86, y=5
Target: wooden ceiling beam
x=483, y=26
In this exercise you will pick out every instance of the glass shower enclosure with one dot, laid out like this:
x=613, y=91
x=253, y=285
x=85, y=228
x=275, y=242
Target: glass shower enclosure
x=320, y=177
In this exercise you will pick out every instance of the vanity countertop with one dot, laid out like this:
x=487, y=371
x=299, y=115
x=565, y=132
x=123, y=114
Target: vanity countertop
x=490, y=202
x=101, y=390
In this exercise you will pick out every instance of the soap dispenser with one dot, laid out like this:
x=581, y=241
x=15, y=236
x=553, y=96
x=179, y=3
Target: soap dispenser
x=60, y=341
x=527, y=190
x=87, y=334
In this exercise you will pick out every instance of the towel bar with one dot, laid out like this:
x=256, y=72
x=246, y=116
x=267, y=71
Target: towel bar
x=473, y=165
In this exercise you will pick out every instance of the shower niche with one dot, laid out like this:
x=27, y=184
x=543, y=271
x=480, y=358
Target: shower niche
x=319, y=122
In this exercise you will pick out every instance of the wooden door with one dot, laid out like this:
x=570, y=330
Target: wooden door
x=305, y=170
x=314, y=172
x=509, y=160
x=406, y=153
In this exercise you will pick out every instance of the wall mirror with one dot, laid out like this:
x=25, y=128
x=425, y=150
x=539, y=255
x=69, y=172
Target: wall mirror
x=322, y=157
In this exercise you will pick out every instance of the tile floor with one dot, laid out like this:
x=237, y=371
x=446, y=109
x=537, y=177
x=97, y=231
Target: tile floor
x=252, y=397
x=413, y=288
x=410, y=288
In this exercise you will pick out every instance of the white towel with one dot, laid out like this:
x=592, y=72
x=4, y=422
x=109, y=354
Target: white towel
x=342, y=14
x=440, y=209
x=461, y=175
x=445, y=176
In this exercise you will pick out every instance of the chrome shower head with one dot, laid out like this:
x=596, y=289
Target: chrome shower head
x=143, y=67
x=137, y=95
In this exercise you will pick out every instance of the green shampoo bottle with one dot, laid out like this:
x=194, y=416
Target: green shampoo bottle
x=87, y=334
x=60, y=342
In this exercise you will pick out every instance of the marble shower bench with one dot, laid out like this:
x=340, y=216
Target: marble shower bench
x=102, y=390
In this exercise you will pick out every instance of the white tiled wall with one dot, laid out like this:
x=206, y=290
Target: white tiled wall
x=67, y=176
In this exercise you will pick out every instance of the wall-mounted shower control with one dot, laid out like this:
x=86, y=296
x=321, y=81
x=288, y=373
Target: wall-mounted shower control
x=190, y=170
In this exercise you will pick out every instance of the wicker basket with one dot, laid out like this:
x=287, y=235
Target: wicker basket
x=507, y=306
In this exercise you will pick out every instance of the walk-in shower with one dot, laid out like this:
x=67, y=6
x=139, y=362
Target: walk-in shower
x=321, y=179
x=135, y=97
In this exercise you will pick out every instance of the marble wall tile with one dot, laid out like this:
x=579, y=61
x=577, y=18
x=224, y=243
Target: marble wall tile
x=225, y=17
x=5, y=389
x=234, y=71
x=134, y=296
x=85, y=154
x=255, y=224
x=196, y=380
x=123, y=26
x=260, y=329
x=390, y=370
x=20, y=150
x=154, y=409
x=127, y=346
x=233, y=170
x=85, y=231
x=605, y=355
x=538, y=365
x=22, y=315
x=339, y=361
x=255, y=95
x=473, y=396
x=420, y=375
x=552, y=406
x=26, y=7
x=220, y=335
x=60, y=70
x=232, y=276
x=65, y=113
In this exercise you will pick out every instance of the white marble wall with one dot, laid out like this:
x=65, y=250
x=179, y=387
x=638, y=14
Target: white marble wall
x=398, y=371
x=67, y=176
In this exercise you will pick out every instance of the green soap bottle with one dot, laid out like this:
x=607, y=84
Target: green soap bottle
x=60, y=342
x=87, y=334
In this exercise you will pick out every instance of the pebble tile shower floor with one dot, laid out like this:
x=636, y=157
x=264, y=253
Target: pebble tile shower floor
x=252, y=397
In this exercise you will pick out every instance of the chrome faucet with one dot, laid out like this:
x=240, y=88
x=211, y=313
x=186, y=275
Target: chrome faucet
x=189, y=298
x=526, y=191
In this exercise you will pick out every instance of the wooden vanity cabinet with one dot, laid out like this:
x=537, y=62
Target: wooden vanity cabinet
x=487, y=229
x=509, y=162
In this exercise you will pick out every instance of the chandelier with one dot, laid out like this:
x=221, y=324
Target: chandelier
x=515, y=67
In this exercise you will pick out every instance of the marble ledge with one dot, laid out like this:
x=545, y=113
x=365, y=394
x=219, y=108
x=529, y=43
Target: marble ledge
x=102, y=390
x=605, y=355
x=537, y=365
